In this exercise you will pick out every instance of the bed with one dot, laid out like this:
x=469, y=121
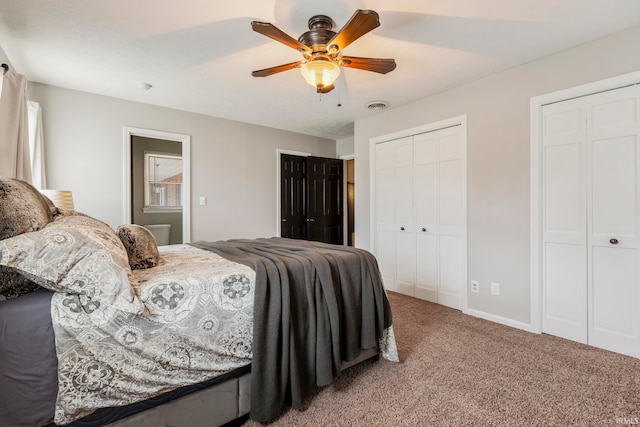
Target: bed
x=99, y=326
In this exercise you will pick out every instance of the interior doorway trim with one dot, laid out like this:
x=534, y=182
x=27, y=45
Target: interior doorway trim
x=127, y=133
x=536, y=104
x=280, y=151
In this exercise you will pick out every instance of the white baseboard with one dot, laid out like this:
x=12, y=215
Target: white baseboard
x=502, y=320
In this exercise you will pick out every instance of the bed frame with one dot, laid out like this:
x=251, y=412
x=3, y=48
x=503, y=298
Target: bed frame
x=225, y=401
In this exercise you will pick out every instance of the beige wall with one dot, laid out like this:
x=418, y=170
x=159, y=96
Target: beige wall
x=233, y=164
x=498, y=159
x=345, y=146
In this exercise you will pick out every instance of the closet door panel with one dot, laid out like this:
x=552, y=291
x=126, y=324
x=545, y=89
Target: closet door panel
x=565, y=292
x=427, y=266
x=613, y=200
x=404, y=217
x=564, y=220
x=614, y=221
x=404, y=197
x=614, y=301
x=385, y=214
x=425, y=195
x=450, y=182
x=425, y=179
x=386, y=255
x=403, y=163
x=405, y=262
x=564, y=202
x=385, y=197
x=450, y=216
x=450, y=271
x=426, y=224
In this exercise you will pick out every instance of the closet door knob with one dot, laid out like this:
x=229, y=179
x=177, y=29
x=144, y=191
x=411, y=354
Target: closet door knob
x=402, y=228
x=613, y=241
x=424, y=229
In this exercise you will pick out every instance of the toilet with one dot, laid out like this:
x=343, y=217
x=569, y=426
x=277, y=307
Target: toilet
x=161, y=232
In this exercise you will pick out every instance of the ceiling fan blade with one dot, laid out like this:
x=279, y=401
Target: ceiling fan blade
x=360, y=24
x=277, y=69
x=277, y=34
x=382, y=66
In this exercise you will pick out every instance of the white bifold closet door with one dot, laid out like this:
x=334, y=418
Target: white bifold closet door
x=591, y=220
x=419, y=203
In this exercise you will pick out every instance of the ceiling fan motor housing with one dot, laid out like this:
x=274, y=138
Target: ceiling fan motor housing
x=319, y=34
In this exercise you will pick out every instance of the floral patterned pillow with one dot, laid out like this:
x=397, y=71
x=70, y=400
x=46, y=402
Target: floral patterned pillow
x=140, y=245
x=76, y=255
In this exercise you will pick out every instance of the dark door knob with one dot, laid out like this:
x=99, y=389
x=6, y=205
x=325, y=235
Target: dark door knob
x=402, y=228
x=613, y=241
x=424, y=229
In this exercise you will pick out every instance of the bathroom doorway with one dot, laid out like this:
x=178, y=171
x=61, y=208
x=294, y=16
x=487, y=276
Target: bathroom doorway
x=157, y=190
x=156, y=187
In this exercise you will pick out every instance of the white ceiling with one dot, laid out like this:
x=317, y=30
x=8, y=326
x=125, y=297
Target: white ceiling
x=198, y=54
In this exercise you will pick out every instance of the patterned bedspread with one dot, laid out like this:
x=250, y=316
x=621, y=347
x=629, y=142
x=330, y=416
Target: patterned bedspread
x=197, y=324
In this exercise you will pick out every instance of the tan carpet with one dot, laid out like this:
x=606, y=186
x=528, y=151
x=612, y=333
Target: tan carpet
x=458, y=370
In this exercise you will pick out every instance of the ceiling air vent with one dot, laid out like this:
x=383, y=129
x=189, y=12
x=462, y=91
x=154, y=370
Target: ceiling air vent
x=377, y=105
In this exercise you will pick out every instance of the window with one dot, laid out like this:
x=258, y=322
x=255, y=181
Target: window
x=163, y=182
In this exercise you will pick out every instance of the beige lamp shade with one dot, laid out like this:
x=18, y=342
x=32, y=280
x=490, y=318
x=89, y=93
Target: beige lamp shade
x=61, y=198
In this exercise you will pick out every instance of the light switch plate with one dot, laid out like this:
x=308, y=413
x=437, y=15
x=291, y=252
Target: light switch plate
x=495, y=288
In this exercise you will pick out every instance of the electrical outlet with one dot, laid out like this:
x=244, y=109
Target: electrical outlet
x=203, y=200
x=475, y=286
x=495, y=288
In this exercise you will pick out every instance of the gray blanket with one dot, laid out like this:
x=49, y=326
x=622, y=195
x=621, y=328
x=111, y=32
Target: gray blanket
x=316, y=305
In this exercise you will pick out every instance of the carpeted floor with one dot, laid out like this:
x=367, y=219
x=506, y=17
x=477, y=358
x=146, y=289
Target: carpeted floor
x=458, y=370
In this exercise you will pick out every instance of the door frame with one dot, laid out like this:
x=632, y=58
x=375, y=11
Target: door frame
x=430, y=127
x=536, y=104
x=345, y=190
x=280, y=151
x=127, y=133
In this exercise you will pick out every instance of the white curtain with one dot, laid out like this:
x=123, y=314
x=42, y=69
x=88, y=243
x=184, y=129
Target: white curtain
x=36, y=145
x=14, y=140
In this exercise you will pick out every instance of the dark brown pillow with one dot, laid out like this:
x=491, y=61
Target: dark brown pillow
x=22, y=208
x=14, y=284
x=140, y=245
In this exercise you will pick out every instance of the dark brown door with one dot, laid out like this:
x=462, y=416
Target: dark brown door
x=324, y=200
x=293, y=200
x=311, y=198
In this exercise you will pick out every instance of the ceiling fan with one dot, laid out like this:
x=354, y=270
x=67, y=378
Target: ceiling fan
x=321, y=48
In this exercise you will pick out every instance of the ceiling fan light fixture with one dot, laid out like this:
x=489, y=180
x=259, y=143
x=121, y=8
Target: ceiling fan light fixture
x=320, y=73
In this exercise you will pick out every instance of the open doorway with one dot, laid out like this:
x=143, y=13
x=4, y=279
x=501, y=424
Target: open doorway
x=349, y=202
x=156, y=187
x=157, y=183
